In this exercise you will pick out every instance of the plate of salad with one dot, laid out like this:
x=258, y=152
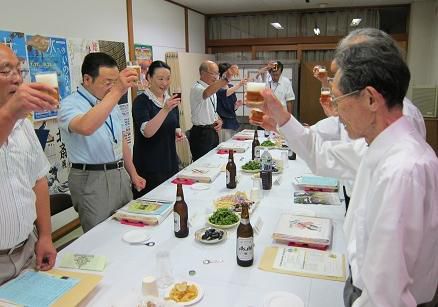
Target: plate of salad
x=223, y=218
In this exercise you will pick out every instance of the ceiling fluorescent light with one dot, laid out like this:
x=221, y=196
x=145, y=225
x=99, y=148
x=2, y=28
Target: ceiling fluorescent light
x=316, y=30
x=355, y=22
x=277, y=25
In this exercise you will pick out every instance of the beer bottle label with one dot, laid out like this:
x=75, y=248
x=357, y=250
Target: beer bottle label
x=245, y=249
x=228, y=177
x=244, y=221
x=176, y=222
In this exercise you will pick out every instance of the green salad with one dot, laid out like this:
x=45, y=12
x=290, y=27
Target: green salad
x=267, y=143
x=251, y=165
x=223, y=216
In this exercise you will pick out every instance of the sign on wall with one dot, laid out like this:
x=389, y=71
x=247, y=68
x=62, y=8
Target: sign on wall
x=49, y=54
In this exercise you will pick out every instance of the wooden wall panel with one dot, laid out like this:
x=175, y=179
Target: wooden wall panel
x=432, y=132
x=310, y=89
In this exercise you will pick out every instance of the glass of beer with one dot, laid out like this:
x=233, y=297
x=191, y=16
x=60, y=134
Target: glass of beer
x=255, y=100
x=253, y=97
x=135, y=66
x=50, y=79
x=322, y=72
x=326, y=95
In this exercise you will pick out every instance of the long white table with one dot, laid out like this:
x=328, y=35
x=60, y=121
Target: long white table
x=226, y=283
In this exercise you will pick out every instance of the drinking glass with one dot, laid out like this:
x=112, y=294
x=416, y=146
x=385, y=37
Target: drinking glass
x=50, y=79
x=136, y=66
x=165, y=276
x=322, y=71
x=325, y=95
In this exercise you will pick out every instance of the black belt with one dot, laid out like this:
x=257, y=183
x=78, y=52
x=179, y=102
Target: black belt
x=205, y=126
x=98, y=167
x=14, y=249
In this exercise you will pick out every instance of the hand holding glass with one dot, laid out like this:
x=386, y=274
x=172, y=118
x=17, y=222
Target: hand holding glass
x=50, y=79
x=135, y=66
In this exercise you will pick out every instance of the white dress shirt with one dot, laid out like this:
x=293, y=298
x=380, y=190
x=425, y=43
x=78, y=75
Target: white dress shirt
x=414, y=116
x=281, y=89
x=392, y=222
x=203, y=110
x=22, y=163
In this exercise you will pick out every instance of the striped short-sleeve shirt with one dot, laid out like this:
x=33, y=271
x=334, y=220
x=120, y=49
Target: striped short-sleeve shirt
x=22, y=163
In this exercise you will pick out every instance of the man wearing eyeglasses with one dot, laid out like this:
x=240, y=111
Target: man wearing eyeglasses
x=203, y=103
x=391, y=226
x=330, y=128
x=91, y=127
x=24, y=192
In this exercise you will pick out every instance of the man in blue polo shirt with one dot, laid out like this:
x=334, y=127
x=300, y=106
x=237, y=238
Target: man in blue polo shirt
x=91, y=127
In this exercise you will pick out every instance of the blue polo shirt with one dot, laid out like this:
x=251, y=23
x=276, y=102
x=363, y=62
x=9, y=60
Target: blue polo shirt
x=96, y=148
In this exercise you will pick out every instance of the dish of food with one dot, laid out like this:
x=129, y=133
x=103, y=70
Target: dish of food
x=268, y=143
x=223, y=218
x=185, y=293
x=234, y=202
x=210, y=235
x=253, y=167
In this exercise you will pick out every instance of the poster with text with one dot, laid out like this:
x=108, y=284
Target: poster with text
x=78, y=48
x=56, y=153
x=49, y=54
x=16, y=41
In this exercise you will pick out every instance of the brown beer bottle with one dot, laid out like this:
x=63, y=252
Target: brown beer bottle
x=245, y=239
x=180, y=214
x=255, y=143
x=231, y=171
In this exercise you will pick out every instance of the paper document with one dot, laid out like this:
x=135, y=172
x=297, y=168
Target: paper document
x=83, y=262
x=309, y=261
x=35, y=289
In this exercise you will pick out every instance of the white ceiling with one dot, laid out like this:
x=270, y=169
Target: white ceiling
x=234, y=6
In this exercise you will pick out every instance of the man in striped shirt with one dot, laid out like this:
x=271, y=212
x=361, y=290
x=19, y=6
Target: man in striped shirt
x=24, y=194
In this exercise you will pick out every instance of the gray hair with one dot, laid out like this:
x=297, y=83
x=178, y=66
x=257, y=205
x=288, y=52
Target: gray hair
x=371, y=35
x=374, y=63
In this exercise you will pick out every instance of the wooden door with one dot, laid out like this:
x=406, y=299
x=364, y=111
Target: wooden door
x=310, y=88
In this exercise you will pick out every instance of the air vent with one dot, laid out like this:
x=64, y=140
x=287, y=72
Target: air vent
x=425, y=98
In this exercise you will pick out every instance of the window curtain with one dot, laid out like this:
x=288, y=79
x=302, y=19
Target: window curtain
x=182, y=147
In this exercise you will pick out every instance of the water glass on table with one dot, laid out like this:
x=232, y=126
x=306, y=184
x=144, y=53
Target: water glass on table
x=165, y=275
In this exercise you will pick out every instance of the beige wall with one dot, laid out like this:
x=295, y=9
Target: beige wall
x=423, y=44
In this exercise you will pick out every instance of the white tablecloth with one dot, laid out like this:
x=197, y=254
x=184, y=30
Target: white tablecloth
x=226, y=283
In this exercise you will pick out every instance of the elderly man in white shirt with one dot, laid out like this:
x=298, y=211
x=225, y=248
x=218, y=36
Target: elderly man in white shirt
x=330, y=128
x=203, y=104
x=392, y=224
x=24, y=194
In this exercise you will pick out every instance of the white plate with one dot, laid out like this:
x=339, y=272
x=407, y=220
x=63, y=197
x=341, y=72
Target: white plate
x=200, y=186
x=195, y=300
x=199, y=233
x=282, y=299
x=136, y=236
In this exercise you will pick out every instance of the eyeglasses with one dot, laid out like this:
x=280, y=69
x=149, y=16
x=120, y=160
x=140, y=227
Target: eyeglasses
x=335, y=100
x=9, y=72
x=214, y=74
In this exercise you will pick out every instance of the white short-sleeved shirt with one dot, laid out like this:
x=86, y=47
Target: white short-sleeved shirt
x=22, y=163
x=203, y=110
x=96, y=148
x=281, y=89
